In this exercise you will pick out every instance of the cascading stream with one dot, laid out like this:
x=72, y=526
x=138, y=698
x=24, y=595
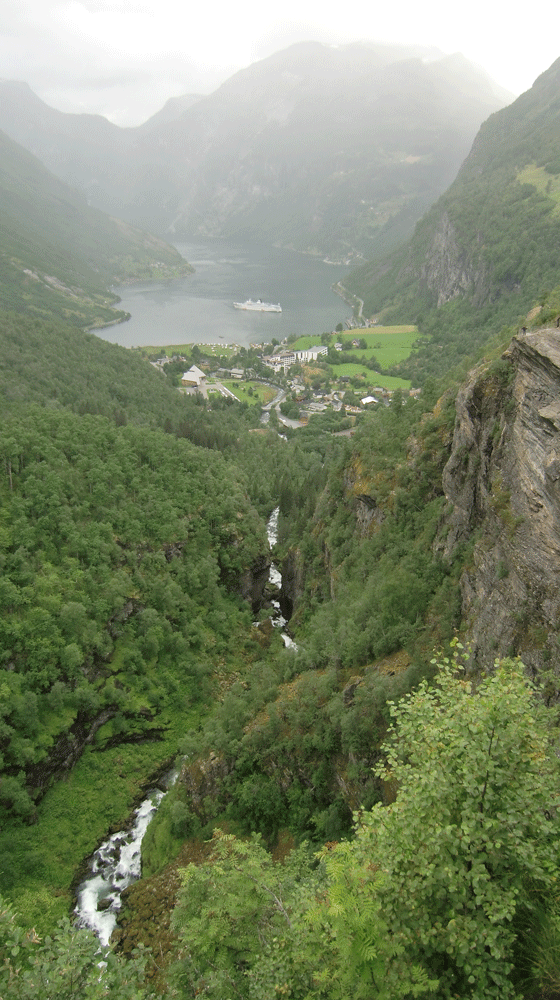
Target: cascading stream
x=116, y=864
x=275, y=578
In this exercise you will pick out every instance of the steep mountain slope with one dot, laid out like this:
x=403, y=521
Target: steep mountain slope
x=123, y=630
x=501, y=483
x=110, y=519
x=315, y=147
x=76, y=148
x=58, y=254
x=490, y=246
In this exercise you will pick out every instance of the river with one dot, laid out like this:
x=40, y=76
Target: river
x=199, y=307
x=114, y=866
x=275, y=577
x=117, y=862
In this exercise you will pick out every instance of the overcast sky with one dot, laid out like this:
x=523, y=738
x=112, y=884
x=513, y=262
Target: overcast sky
x=125, y=58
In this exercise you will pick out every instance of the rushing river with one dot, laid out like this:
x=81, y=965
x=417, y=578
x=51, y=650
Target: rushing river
x=117, y=862
x=199, y=307
x=115, y=865
x=275, y=578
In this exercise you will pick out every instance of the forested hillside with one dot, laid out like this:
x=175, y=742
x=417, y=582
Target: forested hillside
x=59, y=255
x=368, y=813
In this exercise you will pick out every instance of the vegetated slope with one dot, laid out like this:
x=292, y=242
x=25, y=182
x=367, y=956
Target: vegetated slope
x=58, y=254
x=53, y=364
x=128, y=562
x=315, y=147
x=93, y=514
x=124, y=543
x=489, y=248
x=421, y=529
x=117, y=513
x=466, y=825
x=292, y=746
x=111, y=525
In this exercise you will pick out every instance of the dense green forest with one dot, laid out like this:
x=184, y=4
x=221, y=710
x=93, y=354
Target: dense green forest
x=131, y=515
x=368, y=813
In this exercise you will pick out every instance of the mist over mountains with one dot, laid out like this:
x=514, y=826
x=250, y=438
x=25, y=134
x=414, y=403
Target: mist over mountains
x=59, y=255
x=321, y=149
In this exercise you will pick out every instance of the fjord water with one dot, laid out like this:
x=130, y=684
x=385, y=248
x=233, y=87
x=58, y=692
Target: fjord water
x=199, y=308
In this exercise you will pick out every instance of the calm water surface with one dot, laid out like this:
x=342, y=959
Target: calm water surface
x=199, y=307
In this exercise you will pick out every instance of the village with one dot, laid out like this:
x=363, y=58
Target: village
x=336, y=371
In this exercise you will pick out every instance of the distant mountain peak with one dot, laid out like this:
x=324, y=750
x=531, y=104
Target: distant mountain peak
x=315, y=147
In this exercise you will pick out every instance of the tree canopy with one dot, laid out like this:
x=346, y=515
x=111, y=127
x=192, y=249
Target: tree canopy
x=441, y=889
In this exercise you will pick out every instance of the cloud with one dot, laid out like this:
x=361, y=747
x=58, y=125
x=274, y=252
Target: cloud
x=124, y=58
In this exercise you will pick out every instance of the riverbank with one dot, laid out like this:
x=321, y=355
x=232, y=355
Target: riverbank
x=350, y=299
x=97, y=796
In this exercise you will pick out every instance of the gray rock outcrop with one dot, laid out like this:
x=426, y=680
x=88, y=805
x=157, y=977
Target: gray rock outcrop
x=502, y=482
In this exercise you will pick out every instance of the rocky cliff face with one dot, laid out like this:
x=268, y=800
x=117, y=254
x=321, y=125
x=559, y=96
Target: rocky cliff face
x=502, y=482
x=450, y=271
x=293, y=582
x=252, y=582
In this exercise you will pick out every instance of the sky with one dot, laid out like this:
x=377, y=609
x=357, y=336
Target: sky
x=124, y=58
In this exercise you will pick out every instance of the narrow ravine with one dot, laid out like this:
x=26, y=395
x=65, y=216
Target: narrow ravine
x=114, y=866
x=275, y=578
x=117, y=862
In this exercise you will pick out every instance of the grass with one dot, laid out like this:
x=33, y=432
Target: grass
x=261, y=393
x=370, y=377
x=304, y=343
x=389, y=344
x=544, y=182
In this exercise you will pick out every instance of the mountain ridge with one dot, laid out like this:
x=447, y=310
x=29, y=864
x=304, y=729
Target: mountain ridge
x=316, y=148
x=490, y=242
x=59, y=255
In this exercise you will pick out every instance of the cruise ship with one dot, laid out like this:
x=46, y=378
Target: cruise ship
x=259, y=306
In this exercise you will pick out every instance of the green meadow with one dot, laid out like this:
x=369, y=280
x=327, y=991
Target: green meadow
x=371, y=378
x=389, y=344
x=261, y=394
x=545, y=183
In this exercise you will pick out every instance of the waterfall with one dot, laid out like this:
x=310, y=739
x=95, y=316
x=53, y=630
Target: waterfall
x=114, y=866
x=275, y=578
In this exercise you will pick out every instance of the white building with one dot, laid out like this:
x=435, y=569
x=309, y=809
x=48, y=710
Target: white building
x=312, y=353
x=194, y=376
